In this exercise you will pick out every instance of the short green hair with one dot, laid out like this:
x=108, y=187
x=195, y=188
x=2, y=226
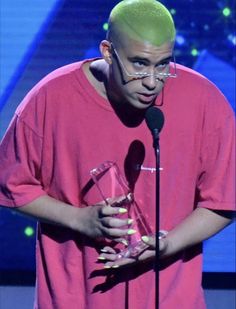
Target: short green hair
x=142, y=20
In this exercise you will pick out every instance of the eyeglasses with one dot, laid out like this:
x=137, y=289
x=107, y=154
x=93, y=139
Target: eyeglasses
x=160, y=70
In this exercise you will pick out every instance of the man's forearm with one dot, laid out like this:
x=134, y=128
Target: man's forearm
x=48, y=209
x=200, y=225
x=95, y=221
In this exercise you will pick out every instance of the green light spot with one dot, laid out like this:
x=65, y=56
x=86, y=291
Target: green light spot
x=173, y=11
x=29, y=231
x=105, y=26
x=226, y=11
x=194, y=52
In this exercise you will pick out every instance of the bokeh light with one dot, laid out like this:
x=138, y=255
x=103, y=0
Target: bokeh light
x=29, y=231
x=180, y=40
x=226, y=11
x=194, y=52
x=105, y=26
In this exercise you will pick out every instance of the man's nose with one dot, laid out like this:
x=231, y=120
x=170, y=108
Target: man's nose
x=150, y=82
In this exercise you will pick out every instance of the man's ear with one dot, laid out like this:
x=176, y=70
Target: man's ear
x=105, y=49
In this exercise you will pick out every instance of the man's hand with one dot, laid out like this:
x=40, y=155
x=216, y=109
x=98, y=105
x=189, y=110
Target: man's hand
x=112, y=259
x=103, y=221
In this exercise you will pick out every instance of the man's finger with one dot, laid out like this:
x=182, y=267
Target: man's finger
x=110, y=211
x=114, y=222
x=108, y=249
x=117, y=233
x=149, y=240
x=120, y=262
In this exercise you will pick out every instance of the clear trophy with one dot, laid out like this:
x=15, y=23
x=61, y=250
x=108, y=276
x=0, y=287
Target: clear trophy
x=110, y=183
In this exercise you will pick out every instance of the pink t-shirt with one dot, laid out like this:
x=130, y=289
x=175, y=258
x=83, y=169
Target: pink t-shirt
x=63, y=129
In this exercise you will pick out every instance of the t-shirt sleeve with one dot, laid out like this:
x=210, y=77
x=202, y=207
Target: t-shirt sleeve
x=216, y=182
x=20, y=157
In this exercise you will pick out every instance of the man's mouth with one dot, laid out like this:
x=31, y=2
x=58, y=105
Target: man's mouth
x=146, y=97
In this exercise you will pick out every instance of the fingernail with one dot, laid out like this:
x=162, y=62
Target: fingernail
x=130, y=221
x=115, y=266
x=124, y=242
x=107, y=266
x=145, y=238
x=101, y=258
x=131, y=232
x=122, y=210
x=104, y=250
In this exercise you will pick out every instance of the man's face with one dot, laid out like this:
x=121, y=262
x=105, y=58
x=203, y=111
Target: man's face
x=128, y=57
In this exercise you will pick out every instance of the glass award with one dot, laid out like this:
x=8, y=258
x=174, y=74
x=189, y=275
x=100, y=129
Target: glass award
x=111, y=184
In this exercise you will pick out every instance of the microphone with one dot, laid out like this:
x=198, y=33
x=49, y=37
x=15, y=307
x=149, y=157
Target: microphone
x=155, y=120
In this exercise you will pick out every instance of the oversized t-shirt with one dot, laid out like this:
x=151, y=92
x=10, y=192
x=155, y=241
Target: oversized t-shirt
x=63, y=129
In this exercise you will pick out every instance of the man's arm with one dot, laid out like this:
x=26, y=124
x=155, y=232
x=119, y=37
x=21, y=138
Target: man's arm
x=198, y=226
x=92, y=221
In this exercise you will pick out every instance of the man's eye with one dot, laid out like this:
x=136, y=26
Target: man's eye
x=163, y=65
x=138, y=64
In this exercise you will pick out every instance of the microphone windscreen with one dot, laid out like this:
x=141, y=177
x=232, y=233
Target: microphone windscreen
x=154, y=118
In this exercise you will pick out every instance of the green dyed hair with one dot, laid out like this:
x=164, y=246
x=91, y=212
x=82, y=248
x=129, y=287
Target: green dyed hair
x=142, y=20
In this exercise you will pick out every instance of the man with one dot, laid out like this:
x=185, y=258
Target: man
x=89, y=112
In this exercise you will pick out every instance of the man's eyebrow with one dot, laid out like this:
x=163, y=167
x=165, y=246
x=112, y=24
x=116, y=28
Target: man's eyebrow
x=147, y=61
x=167, y=59
x=139, y=58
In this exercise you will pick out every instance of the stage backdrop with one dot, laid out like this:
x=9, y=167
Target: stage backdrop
x=37, y=37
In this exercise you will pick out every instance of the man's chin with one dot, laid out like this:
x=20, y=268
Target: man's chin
x=137, y=104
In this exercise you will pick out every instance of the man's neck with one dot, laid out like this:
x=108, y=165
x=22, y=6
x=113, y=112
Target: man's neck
x=97, y=73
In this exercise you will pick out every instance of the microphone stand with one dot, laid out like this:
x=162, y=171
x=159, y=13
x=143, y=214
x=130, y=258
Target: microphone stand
x=155, y=120
x=156, y=147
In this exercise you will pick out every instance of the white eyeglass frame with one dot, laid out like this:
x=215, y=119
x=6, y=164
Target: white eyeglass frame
x=142, y=75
